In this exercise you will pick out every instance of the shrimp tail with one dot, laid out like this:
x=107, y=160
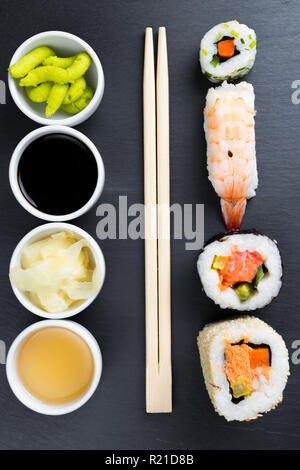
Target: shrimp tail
x=233, y=212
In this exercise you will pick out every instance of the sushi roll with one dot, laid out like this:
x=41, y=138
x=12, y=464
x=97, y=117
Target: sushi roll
x=227, y=51
x=240, y=270
x=231, y=159
x=245, y=366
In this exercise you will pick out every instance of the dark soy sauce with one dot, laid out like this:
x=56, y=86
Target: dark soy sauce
x=57, y=174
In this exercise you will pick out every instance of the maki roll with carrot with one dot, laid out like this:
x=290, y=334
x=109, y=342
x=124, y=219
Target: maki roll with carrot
x=245, y=367
x=227, y=51
x=241, y=270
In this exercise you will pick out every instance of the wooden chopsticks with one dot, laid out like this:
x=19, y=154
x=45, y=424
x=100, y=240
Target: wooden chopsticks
x=157, y=226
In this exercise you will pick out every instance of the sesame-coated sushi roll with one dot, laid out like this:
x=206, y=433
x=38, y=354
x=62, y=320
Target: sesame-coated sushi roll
x=240, y=270
x=245, y=367
x=227, y=51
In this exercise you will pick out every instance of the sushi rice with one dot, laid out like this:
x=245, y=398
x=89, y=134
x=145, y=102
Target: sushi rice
x=235, y=67
x=212, y=341
x=269, y=285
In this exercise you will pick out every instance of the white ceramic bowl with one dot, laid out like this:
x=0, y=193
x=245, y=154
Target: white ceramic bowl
x=29, y=400
x=13, y=172
x=44, y=231
x=64, y=45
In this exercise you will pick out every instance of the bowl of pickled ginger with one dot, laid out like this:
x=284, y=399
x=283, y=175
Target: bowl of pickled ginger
x=57, y=270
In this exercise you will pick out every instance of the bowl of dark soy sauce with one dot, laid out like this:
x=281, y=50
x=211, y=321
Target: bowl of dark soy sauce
x=56, y=173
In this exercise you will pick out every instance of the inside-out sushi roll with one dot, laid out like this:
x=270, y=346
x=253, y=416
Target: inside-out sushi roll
x=227, y=51
x=245, y=366
x=240, y=270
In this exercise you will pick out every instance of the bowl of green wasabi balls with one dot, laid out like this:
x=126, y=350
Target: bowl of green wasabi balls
x=56, y=78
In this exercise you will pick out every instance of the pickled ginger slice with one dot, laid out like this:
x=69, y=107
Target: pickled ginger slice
x=56, y=272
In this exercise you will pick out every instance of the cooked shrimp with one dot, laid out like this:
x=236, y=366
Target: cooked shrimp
x=231, y=160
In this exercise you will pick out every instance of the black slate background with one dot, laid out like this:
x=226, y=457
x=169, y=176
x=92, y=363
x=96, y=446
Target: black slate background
x=115, y=418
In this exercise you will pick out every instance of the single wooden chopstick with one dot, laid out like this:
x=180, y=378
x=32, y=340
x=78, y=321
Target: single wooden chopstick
x=163, y=227
x=157, y=227
x=151, y=294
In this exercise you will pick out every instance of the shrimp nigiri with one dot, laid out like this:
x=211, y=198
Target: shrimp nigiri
x=231, y=161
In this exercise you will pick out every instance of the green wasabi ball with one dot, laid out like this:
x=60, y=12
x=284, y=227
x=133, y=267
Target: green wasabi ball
x=75, y=91
x=39, y=94
x=30, y=61
x=55, y=98
x=79, y=67
x=62, y=62
x=45, y=73
x=80, y=104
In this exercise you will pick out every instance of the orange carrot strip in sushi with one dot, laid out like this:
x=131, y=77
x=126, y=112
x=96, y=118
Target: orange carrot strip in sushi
x=226, y=48
x=259, y=357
